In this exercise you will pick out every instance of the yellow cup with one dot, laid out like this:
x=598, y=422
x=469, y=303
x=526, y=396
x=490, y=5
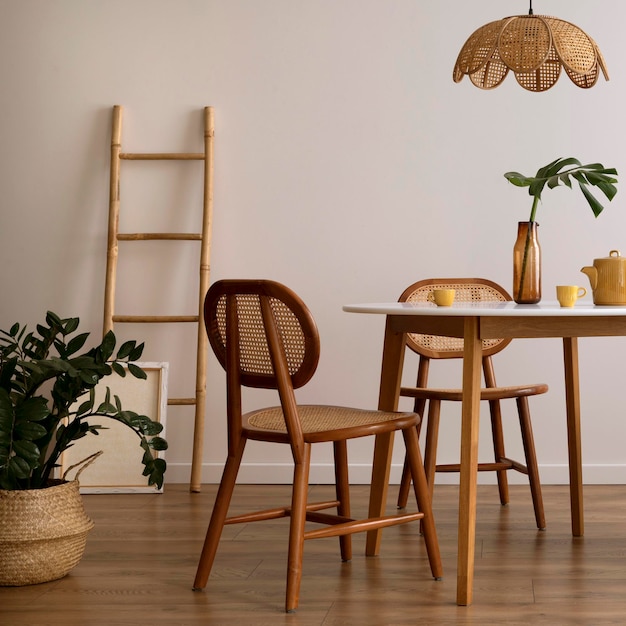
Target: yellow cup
x=442, y=297
x=568, y=294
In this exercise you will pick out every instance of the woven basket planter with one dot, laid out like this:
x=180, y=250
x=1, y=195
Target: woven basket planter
x=43, y=533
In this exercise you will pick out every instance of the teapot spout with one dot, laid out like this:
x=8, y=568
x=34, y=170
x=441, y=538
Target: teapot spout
x=592, y=273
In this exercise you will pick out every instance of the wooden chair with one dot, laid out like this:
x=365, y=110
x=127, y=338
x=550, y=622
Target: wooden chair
x=265, y=337
x=437, y=347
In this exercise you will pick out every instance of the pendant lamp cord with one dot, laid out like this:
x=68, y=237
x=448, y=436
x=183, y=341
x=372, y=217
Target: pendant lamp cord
x=530, y=11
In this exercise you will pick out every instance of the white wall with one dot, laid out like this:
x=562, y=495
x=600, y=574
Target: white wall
x=348, y=164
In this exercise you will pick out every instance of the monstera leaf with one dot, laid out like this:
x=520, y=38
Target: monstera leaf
x=555, y=174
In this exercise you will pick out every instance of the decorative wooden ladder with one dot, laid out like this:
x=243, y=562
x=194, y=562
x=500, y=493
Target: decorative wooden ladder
x=204, y=237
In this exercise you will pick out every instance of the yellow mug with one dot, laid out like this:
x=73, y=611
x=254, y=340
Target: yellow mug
x=568, y=294
x=442, y=297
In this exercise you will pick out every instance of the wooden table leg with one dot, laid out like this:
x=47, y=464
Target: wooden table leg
x=572, y=400
x=390, y=379
x=469, y=460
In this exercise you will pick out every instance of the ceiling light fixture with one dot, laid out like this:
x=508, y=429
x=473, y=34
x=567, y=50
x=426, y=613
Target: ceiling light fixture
x=534, y=48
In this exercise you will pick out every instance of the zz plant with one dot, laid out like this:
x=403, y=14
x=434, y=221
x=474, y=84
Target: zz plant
x=47, y=400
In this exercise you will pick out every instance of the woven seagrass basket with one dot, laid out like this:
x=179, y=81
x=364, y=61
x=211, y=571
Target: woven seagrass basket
x=43, y=533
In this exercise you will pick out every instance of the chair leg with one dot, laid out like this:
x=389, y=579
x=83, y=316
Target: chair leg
x=405, y=485
x=531, y=461
x=430, y=454
x=296, y=529
x=405, y=481
x=342, y=489
x=497, y=435
x=220, y=510
x=430, y=447
x=424, y=503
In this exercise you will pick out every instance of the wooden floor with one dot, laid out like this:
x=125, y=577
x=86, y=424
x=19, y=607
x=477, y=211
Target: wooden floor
x=141, y=558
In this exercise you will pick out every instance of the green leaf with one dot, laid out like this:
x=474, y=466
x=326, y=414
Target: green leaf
x=89, y=378
x=52, y=319
x=18, y=467
x=29, y=431
x=556, y=166
x=70, y=325
x=608, y=190
x=76, y=344
x=28, y=451
x=105, y=407
x=118, y=369
x=108, y=345
x=596, y=207
x=84, y=408
x=542, y=172
x=158, y=443
x=32, y=410
x=519, y=180
x=136, y=353
x=6, y=411
x=151, y=428
x=136, y=371
x=125, y=349
x=553, y=181
x=156, y=470
x=564, y=178
x=7, y=372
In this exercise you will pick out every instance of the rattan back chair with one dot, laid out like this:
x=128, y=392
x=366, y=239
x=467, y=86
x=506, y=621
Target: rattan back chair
x=265, y=337
x=431, y=347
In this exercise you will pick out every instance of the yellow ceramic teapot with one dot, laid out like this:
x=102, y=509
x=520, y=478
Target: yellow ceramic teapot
x=608, y=279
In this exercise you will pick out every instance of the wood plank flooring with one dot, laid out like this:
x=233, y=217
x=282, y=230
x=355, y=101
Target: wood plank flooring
x=141, y=559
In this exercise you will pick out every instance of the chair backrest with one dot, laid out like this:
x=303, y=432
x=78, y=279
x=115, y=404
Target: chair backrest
x=262, y=324
x=264, y=336
x=467, y=290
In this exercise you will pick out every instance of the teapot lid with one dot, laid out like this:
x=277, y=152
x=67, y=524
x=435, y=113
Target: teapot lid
x=613, y=254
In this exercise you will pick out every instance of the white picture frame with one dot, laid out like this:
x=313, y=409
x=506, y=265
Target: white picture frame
x=119, y=469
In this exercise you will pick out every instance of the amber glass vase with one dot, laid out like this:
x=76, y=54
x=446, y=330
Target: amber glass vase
x=527, y=264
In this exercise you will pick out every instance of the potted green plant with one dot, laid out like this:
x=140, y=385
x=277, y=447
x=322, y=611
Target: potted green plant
x=47, y=402
x=527, y=259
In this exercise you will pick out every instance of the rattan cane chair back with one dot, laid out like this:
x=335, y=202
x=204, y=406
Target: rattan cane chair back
x=264, y=336
x=298, y=335
x=467, y=290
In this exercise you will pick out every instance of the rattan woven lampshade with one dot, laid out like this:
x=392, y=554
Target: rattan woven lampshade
x=535, y=48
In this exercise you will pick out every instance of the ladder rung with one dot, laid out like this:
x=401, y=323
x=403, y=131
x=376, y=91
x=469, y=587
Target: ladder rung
x=153, y=319
x=162, y=156
x=159, y=236
x=181, y=401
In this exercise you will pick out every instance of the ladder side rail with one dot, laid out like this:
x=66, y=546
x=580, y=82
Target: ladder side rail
x=114, y=213
x=204, y=281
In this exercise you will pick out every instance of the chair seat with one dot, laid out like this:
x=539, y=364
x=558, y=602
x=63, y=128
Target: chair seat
x=326, y=423
x=489, y=393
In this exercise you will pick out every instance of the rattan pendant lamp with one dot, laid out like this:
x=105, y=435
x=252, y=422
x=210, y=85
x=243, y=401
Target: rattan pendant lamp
x=535, y=48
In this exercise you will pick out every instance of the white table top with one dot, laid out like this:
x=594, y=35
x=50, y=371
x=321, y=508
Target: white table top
x=487, y=309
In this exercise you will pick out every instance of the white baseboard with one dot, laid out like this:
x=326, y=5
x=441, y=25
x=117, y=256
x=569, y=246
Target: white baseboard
x=276, y=474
